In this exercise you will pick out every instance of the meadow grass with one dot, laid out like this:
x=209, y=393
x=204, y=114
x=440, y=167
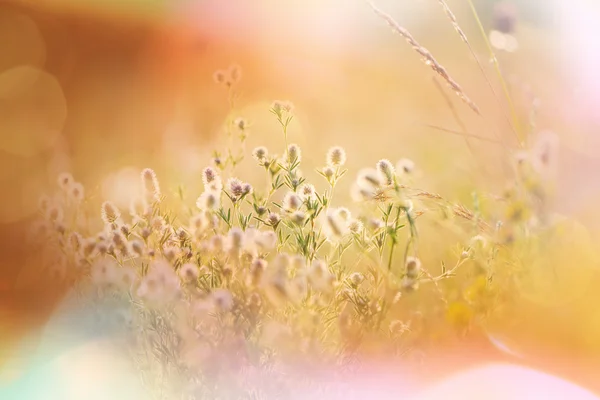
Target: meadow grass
x=242, y=281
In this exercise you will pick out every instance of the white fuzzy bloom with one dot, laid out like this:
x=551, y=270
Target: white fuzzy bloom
x=369, y=178
x=413, y=267
x=260, y=154
x=307, y=192
x=188, y=272
x=211, y=180
x=235, y=238
x=386, y=171
x=208, y=200
x=104, y=272
x=319, y=276
x=266, y=240
x=334, y=225
x=150, y=184
x=110, y=212
x=161, y=284
x=344, y=214
x=77, y=192
x=291, y=202
x=65, y=180
x=405, y=166
x=355, y=226
x=294, y=154
x=222, y=299
x=336, y=157
x=236, y=187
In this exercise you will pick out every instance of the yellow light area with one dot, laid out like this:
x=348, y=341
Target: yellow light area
x=20, y=40
x=32, y=110
x=122, y=187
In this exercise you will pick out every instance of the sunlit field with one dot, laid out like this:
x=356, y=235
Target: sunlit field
x=299, y=199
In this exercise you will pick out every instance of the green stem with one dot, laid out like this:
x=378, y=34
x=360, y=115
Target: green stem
x=394, y=239
x=511, y=106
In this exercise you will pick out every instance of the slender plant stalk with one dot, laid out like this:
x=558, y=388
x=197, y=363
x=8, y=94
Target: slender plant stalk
x=427, y=58
x=463, y=37
x=515, y=121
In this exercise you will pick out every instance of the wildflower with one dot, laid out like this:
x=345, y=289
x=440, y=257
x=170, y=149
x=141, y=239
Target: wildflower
x=54, y=213
x=235, y=73
x=136, y=247
x=276, y=289
x=279, y=107
x=298, y=217
x=102, y=247
x=76, y=192
x=209, y=175
x=375, y=224
x=477, y=244
x=360, y=194
x=75, y=241
x=260, y=154
x=386, y=171
x=188, y=272
x=211, y=180
x=110, y=213
x=328, y=173
x=222, y=299
x=240, y=123
x=118, y=239
x=334, y=225
x=545, y=152
x=261, y=210
x=257, y=268
x=220, y=77
x=266, y=240
x=246, y=189
x=291, y=202
x=87, y=247
x=65, y=180
x=413, y=267
x=405, y=166
x=128, y=278
x=235, y=239
x=319, y=276
x=307, y=193
x=150, y=184
x=294, y=154
x=343, y=213
x=235, y=187
x=254, y=302
x=145, y=233
x=104, y=272
x=409, y=283
x=398, y=327
x=158, y=224
x=369, y=178
x=504, y=17
x=336, y=157
x=355, y=226
x=170, y=253
x=356, y=278
x=208, y=201
x=217, y=244
x=44, y=203
x=199, y=223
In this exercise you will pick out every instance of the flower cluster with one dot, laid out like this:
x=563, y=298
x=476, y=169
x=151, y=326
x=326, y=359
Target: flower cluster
x=254, y=276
